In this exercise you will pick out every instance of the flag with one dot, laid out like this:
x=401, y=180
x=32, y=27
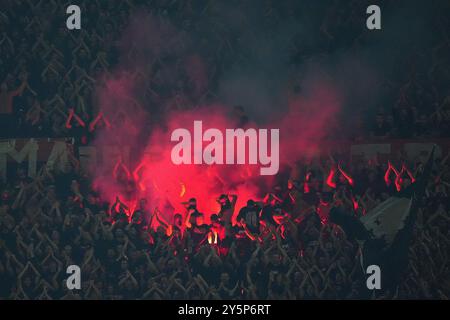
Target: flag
x=384, y=233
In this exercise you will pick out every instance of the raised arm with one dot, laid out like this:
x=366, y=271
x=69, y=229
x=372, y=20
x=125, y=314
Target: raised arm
x=22, y=86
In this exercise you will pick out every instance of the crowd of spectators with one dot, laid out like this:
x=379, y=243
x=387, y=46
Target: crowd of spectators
x=282, y=247
x=46, y=70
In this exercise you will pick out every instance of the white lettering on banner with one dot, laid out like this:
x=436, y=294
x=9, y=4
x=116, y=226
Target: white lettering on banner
x=88, y=158
x=59, y=158
x=29, y=150
x=55, y=152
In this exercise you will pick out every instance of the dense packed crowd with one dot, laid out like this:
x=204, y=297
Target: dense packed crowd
x=282, y=246
x=47, y=71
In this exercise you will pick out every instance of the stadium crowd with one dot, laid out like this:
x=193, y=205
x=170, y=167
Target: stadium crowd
x=47, y=71
x=283, y=246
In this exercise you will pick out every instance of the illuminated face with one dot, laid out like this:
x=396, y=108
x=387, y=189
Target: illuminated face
x=178, y=220
x=192, y=204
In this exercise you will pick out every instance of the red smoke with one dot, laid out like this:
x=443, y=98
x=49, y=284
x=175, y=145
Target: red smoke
x=166, y=185
x=144, y=146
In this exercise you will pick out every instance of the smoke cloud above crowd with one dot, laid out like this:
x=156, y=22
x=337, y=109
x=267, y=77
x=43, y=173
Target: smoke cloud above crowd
x=305, y=111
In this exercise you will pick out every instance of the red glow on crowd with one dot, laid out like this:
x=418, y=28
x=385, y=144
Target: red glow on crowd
x=167, y=186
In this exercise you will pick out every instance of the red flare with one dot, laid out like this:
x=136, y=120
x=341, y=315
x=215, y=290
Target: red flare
x=212, y=237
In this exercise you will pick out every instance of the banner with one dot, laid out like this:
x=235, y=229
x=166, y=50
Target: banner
x=54, y=152
x=28, y=151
